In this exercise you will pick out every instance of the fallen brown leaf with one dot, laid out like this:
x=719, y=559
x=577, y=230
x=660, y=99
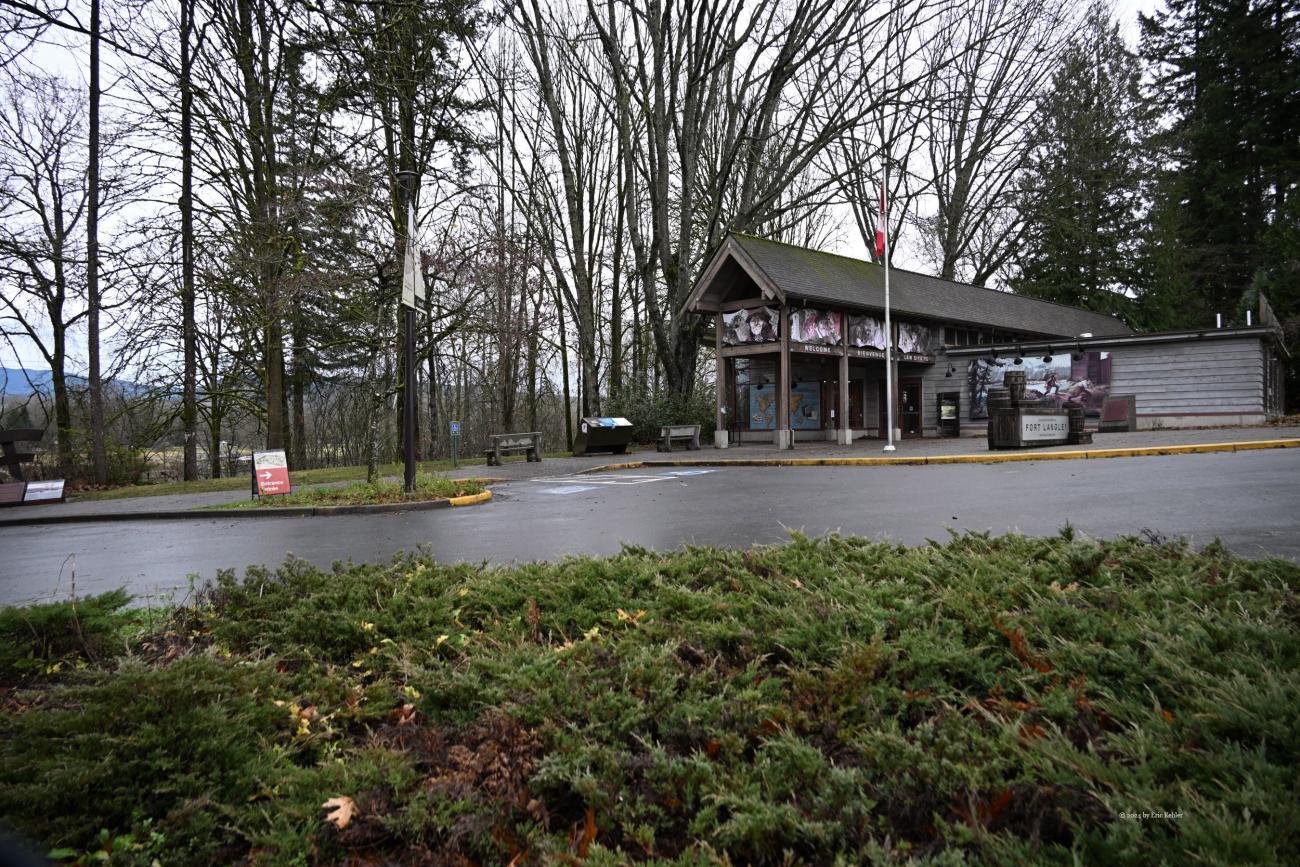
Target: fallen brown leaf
x=341, y=811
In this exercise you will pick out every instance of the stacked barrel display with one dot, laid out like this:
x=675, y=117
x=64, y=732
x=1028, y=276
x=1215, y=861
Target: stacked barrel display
x=1007, y=405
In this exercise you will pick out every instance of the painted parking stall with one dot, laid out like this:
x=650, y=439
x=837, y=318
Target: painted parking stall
x=587, y=482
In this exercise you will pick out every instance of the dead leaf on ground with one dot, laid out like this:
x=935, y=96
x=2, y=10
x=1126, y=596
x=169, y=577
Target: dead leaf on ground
x=341, y=811
x=404, y=715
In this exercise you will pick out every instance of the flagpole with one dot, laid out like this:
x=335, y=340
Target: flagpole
x=889, y=331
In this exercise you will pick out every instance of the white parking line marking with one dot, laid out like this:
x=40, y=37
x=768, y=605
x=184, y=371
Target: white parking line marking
x=569, y=489
x=601, y=480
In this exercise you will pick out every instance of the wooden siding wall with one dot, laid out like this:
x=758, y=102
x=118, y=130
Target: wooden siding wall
x=1212, y=376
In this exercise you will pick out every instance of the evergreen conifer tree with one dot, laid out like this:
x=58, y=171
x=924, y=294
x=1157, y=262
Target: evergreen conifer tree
x=1225, y=74
x=1081, y=196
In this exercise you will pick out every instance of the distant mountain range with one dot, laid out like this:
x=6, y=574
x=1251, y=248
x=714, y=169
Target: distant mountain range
x=17, y=382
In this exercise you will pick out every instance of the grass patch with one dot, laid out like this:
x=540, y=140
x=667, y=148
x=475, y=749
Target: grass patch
x=993, y=700
x=328, y=475
x=362, y=494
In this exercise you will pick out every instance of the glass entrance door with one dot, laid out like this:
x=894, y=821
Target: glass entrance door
x=909, y=402
x=909, y=408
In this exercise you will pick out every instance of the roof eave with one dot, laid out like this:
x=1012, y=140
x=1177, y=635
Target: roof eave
x=730, y=248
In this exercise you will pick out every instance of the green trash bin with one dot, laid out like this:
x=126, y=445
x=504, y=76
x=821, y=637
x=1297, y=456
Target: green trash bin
x=611, y=435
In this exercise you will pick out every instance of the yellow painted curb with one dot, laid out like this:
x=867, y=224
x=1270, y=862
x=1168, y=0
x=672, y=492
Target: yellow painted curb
x=1267, y=444
x=471, y=499
x=609, y=468
x=990, y=458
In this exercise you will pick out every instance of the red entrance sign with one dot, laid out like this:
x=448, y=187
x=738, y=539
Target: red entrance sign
x=271, y=471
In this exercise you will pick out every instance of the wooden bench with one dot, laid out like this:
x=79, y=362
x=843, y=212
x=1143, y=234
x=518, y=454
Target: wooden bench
x=690, y=433
x=12, y=459
x=530, y=442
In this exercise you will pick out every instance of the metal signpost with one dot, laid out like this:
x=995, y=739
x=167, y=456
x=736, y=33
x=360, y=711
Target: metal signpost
x=455, y=444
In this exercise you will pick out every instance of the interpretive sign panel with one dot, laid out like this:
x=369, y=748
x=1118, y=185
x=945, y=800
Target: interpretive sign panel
x=271, y=470
x=40, y=492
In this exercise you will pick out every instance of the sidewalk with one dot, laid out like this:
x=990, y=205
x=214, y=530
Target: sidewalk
x=520, y=470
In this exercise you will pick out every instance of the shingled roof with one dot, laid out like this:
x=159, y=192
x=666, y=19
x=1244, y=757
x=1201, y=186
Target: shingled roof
x=798, y=272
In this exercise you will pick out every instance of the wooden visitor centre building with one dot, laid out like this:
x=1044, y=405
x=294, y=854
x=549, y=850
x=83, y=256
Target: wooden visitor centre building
x=800, y=343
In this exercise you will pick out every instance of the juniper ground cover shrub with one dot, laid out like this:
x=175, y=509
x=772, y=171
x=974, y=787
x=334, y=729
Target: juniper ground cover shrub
x=988, y=700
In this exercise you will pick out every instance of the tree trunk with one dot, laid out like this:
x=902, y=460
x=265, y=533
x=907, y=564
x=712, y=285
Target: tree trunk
x=62, y=406
x=564, y=374
x=298, y=385
x=616, y=303
x=99, y=457
x=189, y=330
x=274, y=372
x=264, y=201
x=431, y=356
x=214, y=440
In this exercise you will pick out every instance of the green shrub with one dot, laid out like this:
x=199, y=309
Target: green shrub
x=40, y=637
x=648, y=411
x=988, y=700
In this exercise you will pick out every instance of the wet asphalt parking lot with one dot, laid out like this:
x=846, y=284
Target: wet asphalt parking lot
x=1250, y=500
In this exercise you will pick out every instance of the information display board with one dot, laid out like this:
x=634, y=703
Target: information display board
x=41, y=492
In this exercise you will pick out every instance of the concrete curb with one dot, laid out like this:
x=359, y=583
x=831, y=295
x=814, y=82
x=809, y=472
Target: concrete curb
x=994, y=458
x=281, y=512
x=470, y=499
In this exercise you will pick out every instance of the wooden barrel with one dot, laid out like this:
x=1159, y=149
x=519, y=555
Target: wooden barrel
x=1014, y=380
x=1075, y=410
x=999, y=402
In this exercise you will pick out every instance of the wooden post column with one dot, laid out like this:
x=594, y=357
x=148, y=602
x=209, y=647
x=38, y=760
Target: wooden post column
x=784, y=436
x=892, y=373
x=842, y=423
x=721, y=388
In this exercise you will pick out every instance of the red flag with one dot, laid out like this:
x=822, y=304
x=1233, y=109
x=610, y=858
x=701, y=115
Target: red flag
x=880, y=226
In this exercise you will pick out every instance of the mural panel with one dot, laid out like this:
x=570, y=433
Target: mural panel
x=1085, y=379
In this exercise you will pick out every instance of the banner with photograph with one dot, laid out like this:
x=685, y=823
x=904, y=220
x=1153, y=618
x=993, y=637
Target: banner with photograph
x=914, y=339
x=816, y=326
x=867, y=332
x=1085, y=379
x=755, y=325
